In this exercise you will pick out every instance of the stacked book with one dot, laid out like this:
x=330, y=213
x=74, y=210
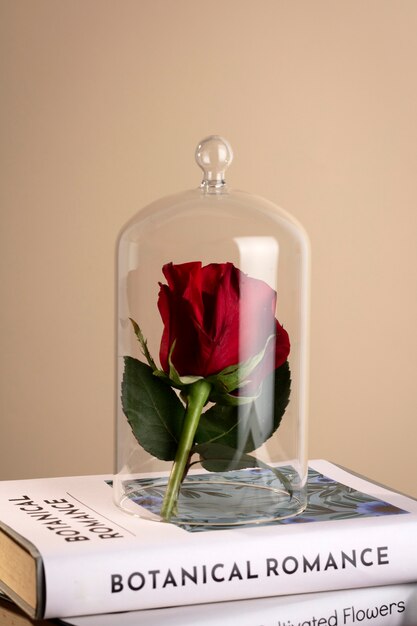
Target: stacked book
x=66, y=550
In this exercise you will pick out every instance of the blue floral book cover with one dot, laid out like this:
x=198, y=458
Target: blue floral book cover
x=328, y=499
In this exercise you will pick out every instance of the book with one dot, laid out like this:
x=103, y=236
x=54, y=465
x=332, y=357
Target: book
x=66, y=549
x=12, y=615
x=394, y=605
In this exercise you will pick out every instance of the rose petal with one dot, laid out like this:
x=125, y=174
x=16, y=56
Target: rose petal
x=218, y=317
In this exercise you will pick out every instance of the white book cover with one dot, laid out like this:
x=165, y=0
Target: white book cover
x=98, y=559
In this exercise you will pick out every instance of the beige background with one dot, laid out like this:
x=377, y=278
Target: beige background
x=102, y=104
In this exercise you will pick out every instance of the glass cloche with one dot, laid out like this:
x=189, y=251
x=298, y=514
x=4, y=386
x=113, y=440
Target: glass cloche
x=212, y=356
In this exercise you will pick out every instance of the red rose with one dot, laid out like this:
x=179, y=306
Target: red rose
x=217, y=316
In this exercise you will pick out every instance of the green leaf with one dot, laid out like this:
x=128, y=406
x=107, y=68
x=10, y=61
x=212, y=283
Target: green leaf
x=215, y=457
x=153, y=410
x=248, y=426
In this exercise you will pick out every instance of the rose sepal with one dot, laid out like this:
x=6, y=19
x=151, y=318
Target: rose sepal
x=173, y=378
x=143, y=344
x=179, y=382
x=228, y=399
x=227, y=380
x=236, y=376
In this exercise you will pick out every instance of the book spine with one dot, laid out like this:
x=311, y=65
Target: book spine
x=331, y=557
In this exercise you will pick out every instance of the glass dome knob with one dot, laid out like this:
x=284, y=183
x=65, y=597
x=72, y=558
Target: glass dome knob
x=213, y=154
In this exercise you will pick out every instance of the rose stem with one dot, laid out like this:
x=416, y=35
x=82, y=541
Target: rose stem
x=197, y=396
